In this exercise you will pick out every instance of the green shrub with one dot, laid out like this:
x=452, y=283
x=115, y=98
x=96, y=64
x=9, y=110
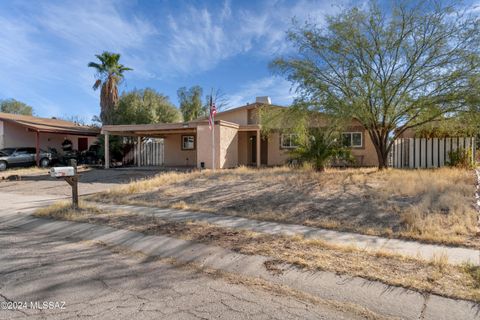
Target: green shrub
x=461, y=158
x=320, y=148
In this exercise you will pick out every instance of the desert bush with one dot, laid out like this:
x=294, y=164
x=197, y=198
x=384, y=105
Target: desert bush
x=461, y=158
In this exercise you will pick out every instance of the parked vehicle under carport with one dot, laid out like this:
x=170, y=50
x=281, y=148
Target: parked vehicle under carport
x=17, y=157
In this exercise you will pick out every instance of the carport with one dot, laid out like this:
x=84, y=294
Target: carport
x=28, y=131
x=187, y=144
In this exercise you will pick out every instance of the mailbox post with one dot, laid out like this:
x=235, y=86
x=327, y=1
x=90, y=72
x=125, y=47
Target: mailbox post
x=69, y=174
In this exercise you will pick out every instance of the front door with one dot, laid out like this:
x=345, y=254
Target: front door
x=82, y=144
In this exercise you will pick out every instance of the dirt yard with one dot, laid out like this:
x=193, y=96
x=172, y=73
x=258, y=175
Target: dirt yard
x=428, y=205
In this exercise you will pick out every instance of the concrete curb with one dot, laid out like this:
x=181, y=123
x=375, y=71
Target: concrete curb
x=379, y=298
x=456, y=255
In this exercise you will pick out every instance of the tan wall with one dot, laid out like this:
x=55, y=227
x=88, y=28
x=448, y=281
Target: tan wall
x=2, y=142
x=18, y=136
x=276, y=155
x=366, y=156
x=173, y=153
x=204, y=147
x=228, y=147
x=238, y=116
x=243, y=147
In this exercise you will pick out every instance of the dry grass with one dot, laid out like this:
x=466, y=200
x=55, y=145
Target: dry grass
x=435, y=275
x=31, y=171
x=22, y=171
x=428, y=205
x=62, y=210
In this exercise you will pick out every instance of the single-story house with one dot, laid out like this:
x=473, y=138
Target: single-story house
x=18, y=131
x=237, y=140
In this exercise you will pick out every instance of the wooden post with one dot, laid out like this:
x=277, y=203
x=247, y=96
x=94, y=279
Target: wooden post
x=107, y=150
x=37, y=148
x=73, y=182
x=258, y=148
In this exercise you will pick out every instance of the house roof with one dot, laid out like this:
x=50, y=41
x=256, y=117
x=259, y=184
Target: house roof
x=49, y=125
x=251, y=106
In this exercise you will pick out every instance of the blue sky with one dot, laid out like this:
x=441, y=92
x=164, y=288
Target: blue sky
x=45, y=47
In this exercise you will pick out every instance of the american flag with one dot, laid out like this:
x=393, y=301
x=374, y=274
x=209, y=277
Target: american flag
x=213, y=112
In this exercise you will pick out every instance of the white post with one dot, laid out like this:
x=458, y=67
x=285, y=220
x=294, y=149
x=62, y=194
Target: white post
x=139, y=159
x=213, y=144
x=107, y=150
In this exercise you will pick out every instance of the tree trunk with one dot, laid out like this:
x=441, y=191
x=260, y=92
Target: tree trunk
x=382, y=160
x=382, y=153
x=381, y=147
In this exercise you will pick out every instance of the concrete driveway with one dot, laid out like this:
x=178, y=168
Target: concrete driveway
x=91, y=181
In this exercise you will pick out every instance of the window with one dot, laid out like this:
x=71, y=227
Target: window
x=288, y=141
x=188, y=142
x=352, y=139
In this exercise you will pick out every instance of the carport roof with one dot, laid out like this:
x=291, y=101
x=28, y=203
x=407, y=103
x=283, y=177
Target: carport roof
x=158, y=129
x=49, y=125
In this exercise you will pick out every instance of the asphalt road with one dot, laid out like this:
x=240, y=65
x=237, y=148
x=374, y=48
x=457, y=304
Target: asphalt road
x=83, y=280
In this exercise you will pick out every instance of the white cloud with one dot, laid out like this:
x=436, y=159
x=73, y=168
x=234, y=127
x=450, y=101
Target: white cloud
x=50, y=44
x=201, y=38
x=278, y=89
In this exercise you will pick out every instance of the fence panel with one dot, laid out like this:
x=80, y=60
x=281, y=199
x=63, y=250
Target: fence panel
x=427, y=153
x=149, y=153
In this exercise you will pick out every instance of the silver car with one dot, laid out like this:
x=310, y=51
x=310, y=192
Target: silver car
x=13, y=157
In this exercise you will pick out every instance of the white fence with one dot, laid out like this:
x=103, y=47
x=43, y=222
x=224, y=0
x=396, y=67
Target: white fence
x=147, y=153
x=427, y=153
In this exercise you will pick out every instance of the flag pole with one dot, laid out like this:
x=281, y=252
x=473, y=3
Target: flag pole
x=213, y=131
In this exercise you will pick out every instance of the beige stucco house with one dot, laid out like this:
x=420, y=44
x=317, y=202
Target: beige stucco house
x=237, y=141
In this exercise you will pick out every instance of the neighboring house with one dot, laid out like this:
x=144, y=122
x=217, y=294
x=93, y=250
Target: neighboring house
x=237, y=140
x=43, y=133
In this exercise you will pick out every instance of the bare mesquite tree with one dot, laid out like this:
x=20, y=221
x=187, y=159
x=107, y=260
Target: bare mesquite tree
x=392, y=69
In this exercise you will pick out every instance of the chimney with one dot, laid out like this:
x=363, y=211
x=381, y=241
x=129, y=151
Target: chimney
x=264, y=100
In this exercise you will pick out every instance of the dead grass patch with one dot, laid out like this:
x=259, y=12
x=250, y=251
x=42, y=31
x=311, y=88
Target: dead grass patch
x=434, y=205
x=433, y=276
x=31, y=171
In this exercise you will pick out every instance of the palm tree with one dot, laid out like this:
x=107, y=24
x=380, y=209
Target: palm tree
x=109, y=75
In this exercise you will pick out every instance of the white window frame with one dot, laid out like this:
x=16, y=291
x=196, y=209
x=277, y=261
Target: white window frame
x=292, y=137
x=183, y=142
x=351, y=138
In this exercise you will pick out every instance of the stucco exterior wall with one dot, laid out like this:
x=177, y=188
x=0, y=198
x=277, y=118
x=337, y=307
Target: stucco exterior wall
x=228, y=147
x=366, y=155
x=276, y=155
x=204, y=147
x=2, y=142
x=243, y=147
x=173, y=153
x=238, y=116
x=18, y=136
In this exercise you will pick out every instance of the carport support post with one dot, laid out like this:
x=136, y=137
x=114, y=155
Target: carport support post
x=107, y=150
x=37, y=148
x=139, y=159
x=258, y=148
